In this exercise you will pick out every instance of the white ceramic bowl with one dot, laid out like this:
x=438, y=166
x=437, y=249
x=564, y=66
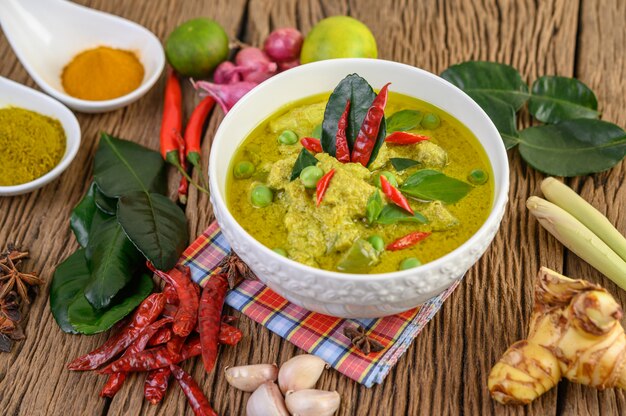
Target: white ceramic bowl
x=17, y=95
x=354, y=295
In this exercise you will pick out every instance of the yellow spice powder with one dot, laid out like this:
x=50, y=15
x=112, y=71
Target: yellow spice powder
x=102, y=73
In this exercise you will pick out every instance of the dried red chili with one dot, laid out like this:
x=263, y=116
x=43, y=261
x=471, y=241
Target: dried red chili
x=146, y=313
x=402, y=137
x=162, y=336
x=143, y=361
x=342, y=151
x=171, y=298
x=209, y=317
x=157, y=381
x=394, y=195
x=311, y=144
x=197, y=400
x=322, y=186
x=229, y=335
x=366, y=138
x=408, y=240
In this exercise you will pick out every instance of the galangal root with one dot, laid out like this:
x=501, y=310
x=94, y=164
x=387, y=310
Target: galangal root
x=575, y=332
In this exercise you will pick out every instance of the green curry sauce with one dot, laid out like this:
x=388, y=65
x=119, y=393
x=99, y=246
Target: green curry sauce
x=321, y=236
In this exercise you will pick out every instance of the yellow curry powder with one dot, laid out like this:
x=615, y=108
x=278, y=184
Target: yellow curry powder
x=31, y=144
x=102, y=73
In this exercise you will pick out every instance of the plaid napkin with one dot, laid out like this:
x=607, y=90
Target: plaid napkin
x=315, y=333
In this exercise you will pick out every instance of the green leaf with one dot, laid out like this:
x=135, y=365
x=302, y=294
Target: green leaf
x=392, y=214
x=87, y=320
x=404, y=120
x=502, y=115
x=317, y=131
x=556, y=99
x=70, y=277
x=82, y=217
x=305, y=158
x=122, y=167
x=489, y=78
x=156, y=225
x=374, y=207
x=113, y=260
x=573, y=147
x=104, y=203
x=432, y=185
x=401, y=163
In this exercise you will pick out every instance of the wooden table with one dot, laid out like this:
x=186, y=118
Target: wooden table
x=446, y=369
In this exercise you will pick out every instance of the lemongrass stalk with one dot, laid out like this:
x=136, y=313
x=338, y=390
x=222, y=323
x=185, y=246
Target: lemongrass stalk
x=579, y=239
x=562, y=195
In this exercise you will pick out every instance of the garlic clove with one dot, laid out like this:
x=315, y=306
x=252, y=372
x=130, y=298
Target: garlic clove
x=250, y=377
x=312, y=402
x=300, y=372
x=266, y=401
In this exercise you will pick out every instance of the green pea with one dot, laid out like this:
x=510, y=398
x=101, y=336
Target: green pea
x=409, y=263
x=261, y=196
x=288, y=137
x=477, y=177
x=280, y=251
x=377, y=242
x=431, y=121
x=390, y=177
x=243, y=170
x=310, y=176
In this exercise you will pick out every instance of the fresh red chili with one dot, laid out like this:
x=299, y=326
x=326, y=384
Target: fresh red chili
x=146, y=313
x=342, y=151
x=209, y=318
x=366, y=138
x=197, y=400
x=403, y=137
x=193, y=131
x=157, y=381
x=311, y=144
x=183, y=187
x=394, y=195
x=322, y=186
x=172, y=121
x=407, y=241
x=161, y=337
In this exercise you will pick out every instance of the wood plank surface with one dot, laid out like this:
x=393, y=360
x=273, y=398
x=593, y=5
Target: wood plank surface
x=445, y=370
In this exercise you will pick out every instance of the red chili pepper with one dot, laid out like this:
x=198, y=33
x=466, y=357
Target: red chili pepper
x=342, y=151
x=322, y=186
x=193, y=131
x=197, y=400
x=146, y=313
x=161, y=337
x=311, y=144
x=229, y=335
x=394, y=195
x=366, y=138
x=407, y=241
x=209, y=318
x=171, y=298
x=183, y=187
x=157, y=381
x=169, y=311
x=402, y=137
x=172, y=121
x=146, y=360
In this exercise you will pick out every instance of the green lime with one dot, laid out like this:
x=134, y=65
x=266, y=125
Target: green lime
x=338, y=37
x=196, y=47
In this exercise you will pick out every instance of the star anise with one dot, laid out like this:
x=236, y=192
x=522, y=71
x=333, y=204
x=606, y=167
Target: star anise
x=12, y=279
x=361, y=341
x=235, y=269
x=10, y=307
x=13, y=254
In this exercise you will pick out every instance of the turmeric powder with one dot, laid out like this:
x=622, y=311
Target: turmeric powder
x=102, y=73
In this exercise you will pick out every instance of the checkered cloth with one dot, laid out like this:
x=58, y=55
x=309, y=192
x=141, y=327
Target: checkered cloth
x=315, y=333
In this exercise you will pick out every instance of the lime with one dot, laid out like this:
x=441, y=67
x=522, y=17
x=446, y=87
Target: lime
x=196, y=47
x=338, y=37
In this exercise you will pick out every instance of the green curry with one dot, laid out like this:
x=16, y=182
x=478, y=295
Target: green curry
x=282, y=214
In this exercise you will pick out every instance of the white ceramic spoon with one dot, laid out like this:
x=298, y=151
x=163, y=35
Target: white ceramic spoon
x=17, y=95
x=47, y=34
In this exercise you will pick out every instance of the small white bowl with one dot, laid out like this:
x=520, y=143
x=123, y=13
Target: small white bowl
x=13, y=94
x=340, y=294
x=47, y=34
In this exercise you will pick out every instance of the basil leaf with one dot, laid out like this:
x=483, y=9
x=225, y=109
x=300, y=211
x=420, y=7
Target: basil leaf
x=573, y=147
x=374, y=207
x=87, y=320
x=432, y=185
x=113, y=260
x=317, y=132
x=502, y=115
x=556, y=99
x=401, y=163
x=82, y=217
x=392, y=214
x=122, y=166
x=404, y=120
x=156, y=225
x=70, y=277
x=490, y=78
x=104, y=203
x=305, y=158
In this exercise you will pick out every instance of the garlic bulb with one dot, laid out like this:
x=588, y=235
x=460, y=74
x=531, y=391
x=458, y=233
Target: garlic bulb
x=266, y=401
x=312, y=402
x=249, y=377
x=300, y=372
